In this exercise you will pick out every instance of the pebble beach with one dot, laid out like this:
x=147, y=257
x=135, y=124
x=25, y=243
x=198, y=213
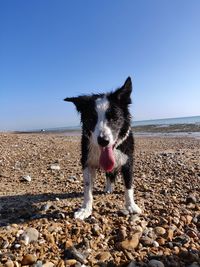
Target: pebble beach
x=41, y=185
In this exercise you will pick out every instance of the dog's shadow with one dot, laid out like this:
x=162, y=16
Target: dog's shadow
x=20, y=208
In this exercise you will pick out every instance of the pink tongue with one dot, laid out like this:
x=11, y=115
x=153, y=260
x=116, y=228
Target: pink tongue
x=107, y=160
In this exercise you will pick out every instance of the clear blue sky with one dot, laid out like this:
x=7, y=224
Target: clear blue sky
x=53, y=49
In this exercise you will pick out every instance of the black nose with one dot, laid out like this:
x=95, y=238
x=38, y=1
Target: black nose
x=102, y=142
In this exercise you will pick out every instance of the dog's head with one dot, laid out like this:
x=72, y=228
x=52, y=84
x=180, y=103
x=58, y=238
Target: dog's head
x=105, y=117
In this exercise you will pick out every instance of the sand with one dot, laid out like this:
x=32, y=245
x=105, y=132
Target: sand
x=41, y=185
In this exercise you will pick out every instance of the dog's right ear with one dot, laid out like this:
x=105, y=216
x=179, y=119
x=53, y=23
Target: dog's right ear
x=81, y=102
x=76, y=101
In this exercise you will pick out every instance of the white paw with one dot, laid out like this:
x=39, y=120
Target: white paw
x=133, y=208
x=82, y=213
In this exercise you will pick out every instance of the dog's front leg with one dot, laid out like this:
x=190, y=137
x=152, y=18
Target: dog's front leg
x=86, y=210
x=127, y=174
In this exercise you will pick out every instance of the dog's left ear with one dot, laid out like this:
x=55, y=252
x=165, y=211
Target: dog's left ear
x=123, y=94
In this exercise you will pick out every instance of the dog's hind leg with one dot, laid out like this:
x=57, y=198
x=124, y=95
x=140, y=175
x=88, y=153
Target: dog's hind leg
x=86, y=210
x=127, y=174
x=110, y=180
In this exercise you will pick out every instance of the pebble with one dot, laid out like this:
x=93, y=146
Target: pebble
x=48, y=264
x=130, y=244
x=103, y=256
x=37, y=264
x=191, y=199
x=30, y=235
x=159, y=230
x=26, y=178
x=155, y=244
x=16, y=246
x=9, y=263
x=194, y=264
x=72, y=178
x=70, y=262
x=155, y=263
x=146, y=241
x=55, y=167
x=29, y=259
x=46, y=207
x=132, y=264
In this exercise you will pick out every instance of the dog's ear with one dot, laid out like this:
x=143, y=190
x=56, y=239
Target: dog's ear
x=79, y=102
x=123, y=94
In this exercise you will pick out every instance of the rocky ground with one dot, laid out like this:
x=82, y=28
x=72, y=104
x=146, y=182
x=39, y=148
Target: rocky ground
x=41, y=186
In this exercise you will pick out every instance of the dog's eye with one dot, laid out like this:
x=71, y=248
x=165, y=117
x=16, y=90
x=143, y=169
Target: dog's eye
x=111, y=114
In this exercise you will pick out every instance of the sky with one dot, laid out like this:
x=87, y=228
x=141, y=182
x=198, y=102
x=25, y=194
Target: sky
x=52, y=49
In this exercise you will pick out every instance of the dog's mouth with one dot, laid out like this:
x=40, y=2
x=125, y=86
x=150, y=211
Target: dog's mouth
x=107, y=160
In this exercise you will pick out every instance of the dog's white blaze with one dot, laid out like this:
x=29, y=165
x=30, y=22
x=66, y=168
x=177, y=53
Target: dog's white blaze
x=101, y=128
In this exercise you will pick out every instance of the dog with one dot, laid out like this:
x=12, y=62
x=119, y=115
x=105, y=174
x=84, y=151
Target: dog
x=107, y=143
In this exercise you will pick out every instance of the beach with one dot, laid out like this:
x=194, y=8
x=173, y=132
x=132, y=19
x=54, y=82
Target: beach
x=41, y=185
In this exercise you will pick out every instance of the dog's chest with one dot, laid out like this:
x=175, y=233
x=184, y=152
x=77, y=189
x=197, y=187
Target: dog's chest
x=94, y=155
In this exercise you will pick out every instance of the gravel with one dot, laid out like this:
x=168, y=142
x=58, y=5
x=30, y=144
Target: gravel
x=37, y=226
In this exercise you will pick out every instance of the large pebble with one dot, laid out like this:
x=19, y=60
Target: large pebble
x=130, y=244
x=30, y=235
x=159, y=230
x=103, y=256
x=55, y=167
x=9, y=263
x=29, y=259
x=155, y=263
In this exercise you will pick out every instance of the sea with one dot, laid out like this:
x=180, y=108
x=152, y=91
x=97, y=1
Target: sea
x=169, y=121
x=194, y=120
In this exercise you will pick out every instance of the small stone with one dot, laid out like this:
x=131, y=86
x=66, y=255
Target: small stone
x=46, y=207
x=26, y=178
x=170, y=234
x=48, y=264
x=155, y=263
x=188, y=219
x=103, y=256
x=132, y=264
x=130, y=244
x=155, y=244
x=159, y=230
x=16, y=246
x=134, y=218
x=72, y=178
x=70, y=262
x=37, y=264
x=30, y=235
x=161, y=241
x=72, y=252
x=191, y=199
x=9, y=263
x=28, y=259
x=55, y=167
x=146, y=241
x=123, y=212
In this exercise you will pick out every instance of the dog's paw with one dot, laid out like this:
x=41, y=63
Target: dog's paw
x=82, y=213
x=134, y=209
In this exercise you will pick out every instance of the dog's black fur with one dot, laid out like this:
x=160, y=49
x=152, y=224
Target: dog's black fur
x=118, y=127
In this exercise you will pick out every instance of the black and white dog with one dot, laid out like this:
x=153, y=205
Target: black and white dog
x=107, y=142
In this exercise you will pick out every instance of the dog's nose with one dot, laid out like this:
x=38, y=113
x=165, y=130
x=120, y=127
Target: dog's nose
x=102, y=141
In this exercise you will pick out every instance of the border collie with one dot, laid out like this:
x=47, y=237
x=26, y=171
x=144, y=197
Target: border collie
x=107, y=142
